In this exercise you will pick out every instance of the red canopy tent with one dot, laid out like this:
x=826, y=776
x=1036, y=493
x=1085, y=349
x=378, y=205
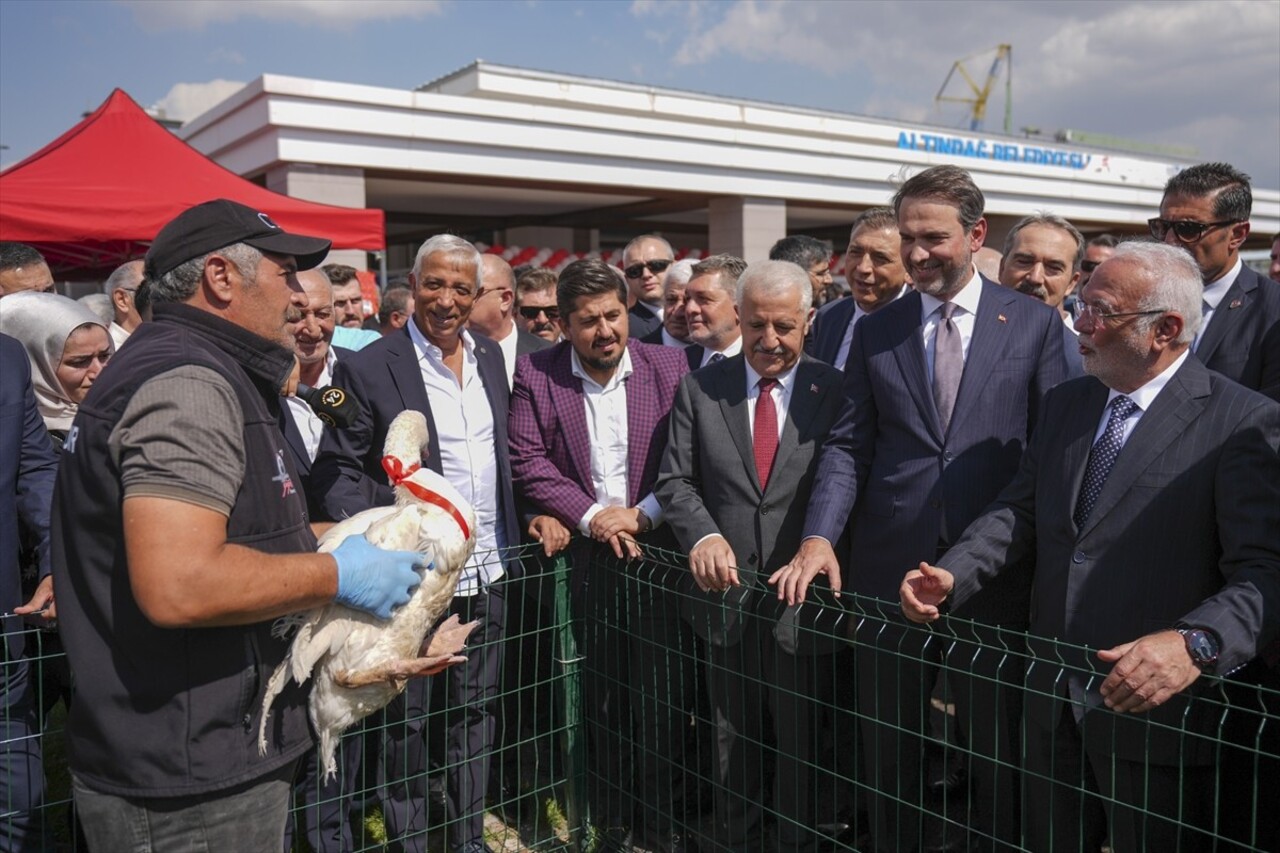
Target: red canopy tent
x=97, y=195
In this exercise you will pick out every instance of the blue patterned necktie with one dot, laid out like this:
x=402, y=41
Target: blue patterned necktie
x=1102, y=457
x=719, y=356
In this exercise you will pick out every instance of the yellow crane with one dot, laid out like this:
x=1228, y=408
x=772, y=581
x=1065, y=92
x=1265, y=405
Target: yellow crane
x=978, y=100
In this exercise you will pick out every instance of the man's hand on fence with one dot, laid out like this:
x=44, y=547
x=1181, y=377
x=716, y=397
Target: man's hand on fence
x=815, y=557
x=1147, y=672
x=713, y=564
x=922, y=592
x=41, y=602
x=548, y=530
x=614, y=520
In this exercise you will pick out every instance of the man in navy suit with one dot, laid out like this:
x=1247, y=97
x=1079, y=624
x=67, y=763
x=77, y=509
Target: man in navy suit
x=458, y=381
x=1150, y=500
x=1205, y=210
x=943, y=387
x=876, y=275
x=1042, y=257
x=28, y=467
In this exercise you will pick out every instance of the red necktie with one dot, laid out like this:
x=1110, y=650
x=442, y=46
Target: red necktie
x=765, y=434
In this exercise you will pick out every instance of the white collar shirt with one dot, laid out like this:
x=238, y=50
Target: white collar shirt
x=1214, y=291
x=966, y=302
x=1142, y=397
x=468, y=458
x=668, y=341
x=508, y=347
x=308, y=422
x=728, y=352
x=606, y=410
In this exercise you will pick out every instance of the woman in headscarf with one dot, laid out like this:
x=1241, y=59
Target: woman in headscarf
x=68, y=346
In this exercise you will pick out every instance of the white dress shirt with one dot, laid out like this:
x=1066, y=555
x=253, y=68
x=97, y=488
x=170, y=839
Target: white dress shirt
x=606, y=411
x=1142, y=397
x=728, y=352
x=668, y=341
x=119, y=334
x=307, y=421
x=508, y=347
x=468, y=459
x=1212, y=298
x=842, y=354
x=966, y=302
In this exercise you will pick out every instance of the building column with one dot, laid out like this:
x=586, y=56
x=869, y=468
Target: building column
x=337, y=185
x=746, y=227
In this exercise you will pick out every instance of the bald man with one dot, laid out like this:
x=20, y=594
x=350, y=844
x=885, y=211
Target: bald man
x=493, y=313
x=121, y=286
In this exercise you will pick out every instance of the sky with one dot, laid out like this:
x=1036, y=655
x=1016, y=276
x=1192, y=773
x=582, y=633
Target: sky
x=1202, y=74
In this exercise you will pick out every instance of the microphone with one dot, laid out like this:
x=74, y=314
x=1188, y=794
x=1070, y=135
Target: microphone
x=331, y=405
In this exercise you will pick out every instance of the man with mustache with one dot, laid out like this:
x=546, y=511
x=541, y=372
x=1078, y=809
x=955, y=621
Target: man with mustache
x=943, y=387
x=588, y=431
x=1042, y=256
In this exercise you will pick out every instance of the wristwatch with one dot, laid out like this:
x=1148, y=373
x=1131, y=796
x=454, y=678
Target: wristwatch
x=1202, y=645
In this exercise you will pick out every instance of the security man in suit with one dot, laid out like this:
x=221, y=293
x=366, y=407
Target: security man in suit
x=736, y=507
x=1150, y=499
x=1205, y=210
x=943, y=388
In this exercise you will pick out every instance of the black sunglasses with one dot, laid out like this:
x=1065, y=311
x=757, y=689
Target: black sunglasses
x=1186, y=230
x=1089, y=266
x=655, y=267
x=531, y=312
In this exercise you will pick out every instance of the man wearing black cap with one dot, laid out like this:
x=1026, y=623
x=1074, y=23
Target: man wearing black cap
x=179, y=537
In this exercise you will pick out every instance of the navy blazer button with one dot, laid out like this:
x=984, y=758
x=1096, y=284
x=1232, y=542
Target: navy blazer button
x=947, y=456
x=752, y=559
x=1078, y=557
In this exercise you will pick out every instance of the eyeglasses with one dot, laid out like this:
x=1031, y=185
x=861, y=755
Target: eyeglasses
x=657, y=267
x=531, y=312
x=1089, y=266
x=1186, y=230
x=1084, y=309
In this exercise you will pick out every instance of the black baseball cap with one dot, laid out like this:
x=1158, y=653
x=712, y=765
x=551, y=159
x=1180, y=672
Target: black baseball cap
x=220, y=223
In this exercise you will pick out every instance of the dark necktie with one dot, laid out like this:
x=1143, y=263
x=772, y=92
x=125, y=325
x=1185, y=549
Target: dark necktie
x=719, y=356
x=1102, y=457
x=948, y=365
x=765, y=434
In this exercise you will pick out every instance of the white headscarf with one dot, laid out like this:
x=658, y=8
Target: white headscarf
x=42, y=322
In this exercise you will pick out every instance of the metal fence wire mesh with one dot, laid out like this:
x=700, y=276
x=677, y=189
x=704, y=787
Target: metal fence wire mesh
x=633, y=712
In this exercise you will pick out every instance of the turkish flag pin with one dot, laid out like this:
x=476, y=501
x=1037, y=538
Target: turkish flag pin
x=1002, y=318
x=1235, y=303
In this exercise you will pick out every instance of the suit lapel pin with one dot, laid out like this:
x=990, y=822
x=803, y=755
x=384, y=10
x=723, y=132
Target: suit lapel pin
x=813, y=389
x=1002, y=318
x=1235, y=303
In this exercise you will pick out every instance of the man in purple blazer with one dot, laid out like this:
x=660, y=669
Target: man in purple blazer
x=588, y=429
x=943, y=389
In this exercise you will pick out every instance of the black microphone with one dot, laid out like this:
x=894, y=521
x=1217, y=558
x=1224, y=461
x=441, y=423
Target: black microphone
x=331, y=405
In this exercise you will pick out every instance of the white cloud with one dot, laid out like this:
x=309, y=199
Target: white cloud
x=185, y=101
x=1204, y=73
x=195, y=14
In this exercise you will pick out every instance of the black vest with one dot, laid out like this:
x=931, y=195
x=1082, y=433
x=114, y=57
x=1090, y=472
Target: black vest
x=173, y=712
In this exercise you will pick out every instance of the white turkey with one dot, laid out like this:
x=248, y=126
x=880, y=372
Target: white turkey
x=357, y=662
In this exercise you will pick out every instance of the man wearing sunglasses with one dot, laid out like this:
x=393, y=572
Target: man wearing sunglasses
x=536, y=310
x=645, y=262
x=1205, y=211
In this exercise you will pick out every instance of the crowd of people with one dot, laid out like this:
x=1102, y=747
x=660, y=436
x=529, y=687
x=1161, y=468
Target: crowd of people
x=1085, y=450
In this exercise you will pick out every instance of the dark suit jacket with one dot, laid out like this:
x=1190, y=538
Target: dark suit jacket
x=28, y=468
x=910, y=488
x=829, y=326
x=694, y=353
x=709, y=485
x=550, y=447
x=384, y=379
x=297, y=448
x=1242, y=341
x=641, y=321
x=527, y=342
x=1185, y=531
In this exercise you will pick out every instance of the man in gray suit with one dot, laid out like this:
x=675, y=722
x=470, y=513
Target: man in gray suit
x=942, y=391
x=736, y=507
x=1150, y=499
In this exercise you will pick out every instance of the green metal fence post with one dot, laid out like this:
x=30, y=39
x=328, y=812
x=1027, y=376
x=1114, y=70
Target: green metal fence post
x=574, y=735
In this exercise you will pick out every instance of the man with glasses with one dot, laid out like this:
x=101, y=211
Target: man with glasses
x=536, y=303
x=121, y=286
x=644, y=263
x=1149, y=500
x=1205, y=211
x=491, y=313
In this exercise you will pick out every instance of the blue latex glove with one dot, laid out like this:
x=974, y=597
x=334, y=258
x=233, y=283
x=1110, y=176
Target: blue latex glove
x=374, y=580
